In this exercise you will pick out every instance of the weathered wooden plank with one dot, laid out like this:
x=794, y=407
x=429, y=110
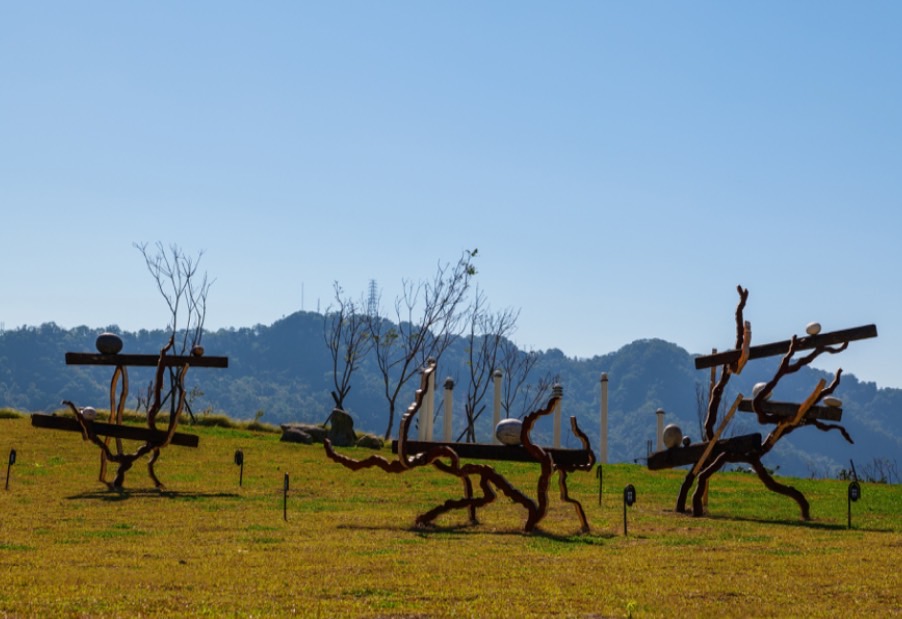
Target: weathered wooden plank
x=513, y=453
x=679, y=456
x=70, y=424
x=88, y=358
x=780, y=348
x=789, y=409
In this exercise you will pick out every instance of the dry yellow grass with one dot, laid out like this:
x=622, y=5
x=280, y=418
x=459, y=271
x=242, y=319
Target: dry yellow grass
x=207, y=547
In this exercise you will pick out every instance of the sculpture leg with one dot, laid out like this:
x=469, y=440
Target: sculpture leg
x=102, y=476
x=150, y=463
x=468, y=501
x=698, y=503
x=468, y=493
x=565, y=496
x=684, y=492
x=774, y=486
x=124, y=465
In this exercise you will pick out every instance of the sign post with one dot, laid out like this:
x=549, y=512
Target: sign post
x=600, y=475
x=12, y=461
x=239, y=461
x=629, y=497
x=285, y=499
x=854, y=495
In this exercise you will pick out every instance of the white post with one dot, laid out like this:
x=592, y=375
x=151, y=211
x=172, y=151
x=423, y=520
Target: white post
x=604, y=418
x=423, y=425
x=660, y=414
x=496, y=416
x=557, y=390
x=449, y=406
x=430, y=403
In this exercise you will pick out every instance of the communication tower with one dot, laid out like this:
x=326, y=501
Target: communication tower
x=372, y=300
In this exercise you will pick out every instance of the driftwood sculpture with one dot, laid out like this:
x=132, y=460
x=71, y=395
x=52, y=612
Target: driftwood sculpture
x=444, y=457
x=783, y=417
x=153, y=439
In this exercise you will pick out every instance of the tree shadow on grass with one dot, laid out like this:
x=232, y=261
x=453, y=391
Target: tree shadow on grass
x=150, y=493
x=461, y=530
x=805, y=524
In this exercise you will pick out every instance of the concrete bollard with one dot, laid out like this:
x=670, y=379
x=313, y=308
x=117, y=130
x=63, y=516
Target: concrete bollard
x=496, y=405
x=603, y=442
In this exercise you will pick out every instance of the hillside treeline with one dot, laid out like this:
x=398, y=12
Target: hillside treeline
x=282, y=372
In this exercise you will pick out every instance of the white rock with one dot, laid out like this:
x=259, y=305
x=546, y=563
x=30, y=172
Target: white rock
x=89, y=413
x=758, y=388
x=832, y=401
x=813, y=328
x=673, y=436
x=508, y=431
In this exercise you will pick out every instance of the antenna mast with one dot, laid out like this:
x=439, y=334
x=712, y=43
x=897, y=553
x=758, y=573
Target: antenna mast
x=372, y=301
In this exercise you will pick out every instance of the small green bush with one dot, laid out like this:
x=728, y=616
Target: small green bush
x=10, y=413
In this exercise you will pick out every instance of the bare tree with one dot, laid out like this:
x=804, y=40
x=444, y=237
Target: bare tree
x=533, y=393
x=428, y=316
x=516, y=366
x=345, y=331
x=486, y=332
x=185, y=290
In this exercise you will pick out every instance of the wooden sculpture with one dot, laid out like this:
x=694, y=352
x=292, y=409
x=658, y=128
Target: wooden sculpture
x=712, y=454
x=445, y=458
x=152, y=439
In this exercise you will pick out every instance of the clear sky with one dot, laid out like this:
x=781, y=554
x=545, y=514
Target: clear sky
x=621, y=166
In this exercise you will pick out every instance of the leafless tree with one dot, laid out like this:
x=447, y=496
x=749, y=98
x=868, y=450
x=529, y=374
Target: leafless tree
x=533, y=393
x=485, y=334
x=185, y=289
x=345, y=332
x=881, y=471
x=516, y=365
x=427, y=318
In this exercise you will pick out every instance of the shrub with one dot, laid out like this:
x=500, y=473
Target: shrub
x=10, y=413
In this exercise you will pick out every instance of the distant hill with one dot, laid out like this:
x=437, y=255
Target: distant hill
x=284, y=371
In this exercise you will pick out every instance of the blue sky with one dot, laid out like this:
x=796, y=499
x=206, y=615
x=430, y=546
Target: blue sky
x=621, y=167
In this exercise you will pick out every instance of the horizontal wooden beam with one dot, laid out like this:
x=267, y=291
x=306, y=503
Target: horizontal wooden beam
x=781, y=348
x=513, y=453
x=88, y=358
x=70, y=424
x=679, y=456
x=789, y=409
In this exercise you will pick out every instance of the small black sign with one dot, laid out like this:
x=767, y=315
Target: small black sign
x=629, y=495
x=12, y=457
x=854, y=491
x=239, y=457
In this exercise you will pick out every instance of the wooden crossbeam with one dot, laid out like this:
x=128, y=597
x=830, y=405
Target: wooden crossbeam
x=513, y=453
x=781, y=348
x=679, y=456
x=135, y=433
x=87, y=358
x=789, y=409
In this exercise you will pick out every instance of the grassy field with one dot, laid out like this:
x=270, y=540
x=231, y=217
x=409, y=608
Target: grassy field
x=207, y=547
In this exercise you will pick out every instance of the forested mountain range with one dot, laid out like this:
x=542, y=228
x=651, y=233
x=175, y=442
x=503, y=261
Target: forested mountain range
x=284, y=373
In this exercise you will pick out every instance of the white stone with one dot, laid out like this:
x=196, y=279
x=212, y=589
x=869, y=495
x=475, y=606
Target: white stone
x=758, y=388
x=832, y=401
x=508, y=431
x=813, y=328
x=673, y=436
x=89, y=413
